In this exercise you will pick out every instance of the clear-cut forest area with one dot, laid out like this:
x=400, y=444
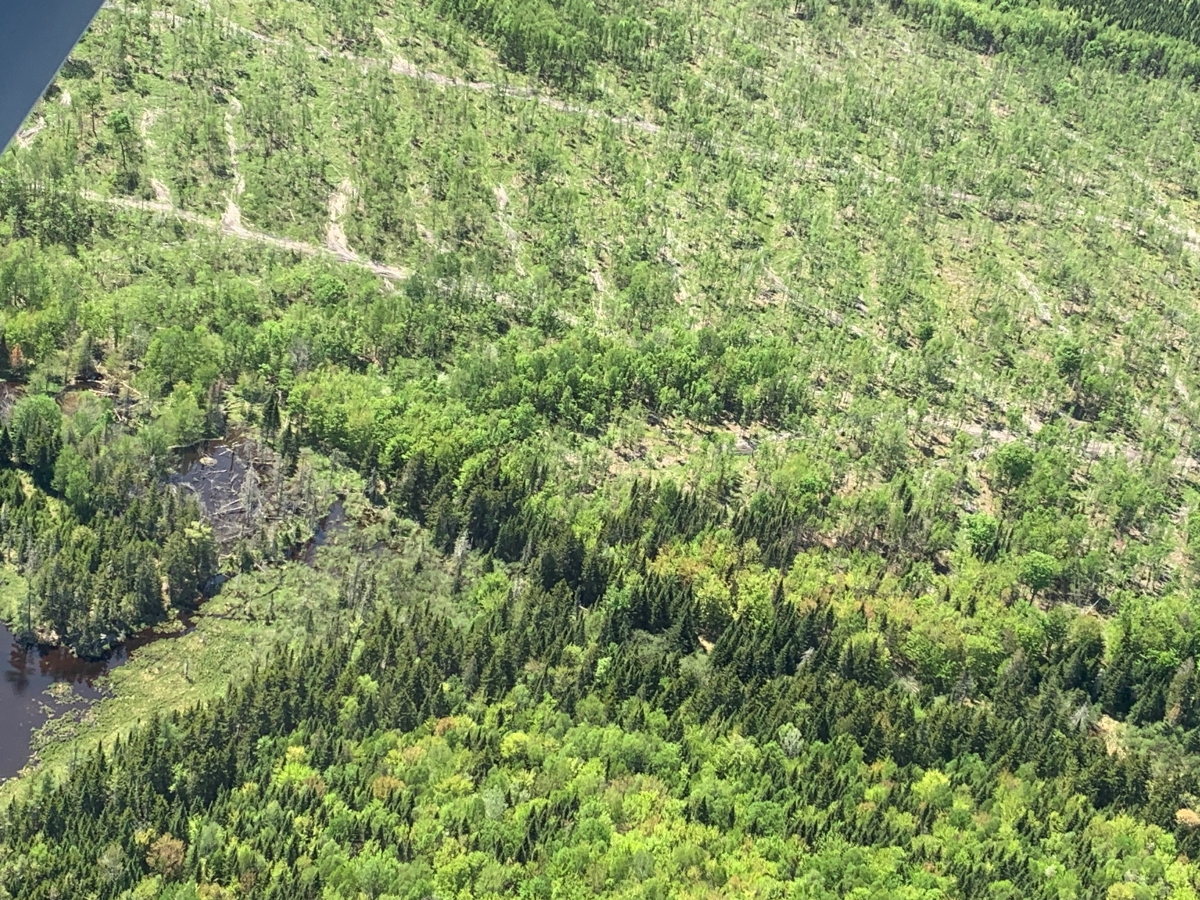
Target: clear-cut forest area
x=605, y=448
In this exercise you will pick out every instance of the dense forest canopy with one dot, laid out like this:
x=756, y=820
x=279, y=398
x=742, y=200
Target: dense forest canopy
x=610, y=449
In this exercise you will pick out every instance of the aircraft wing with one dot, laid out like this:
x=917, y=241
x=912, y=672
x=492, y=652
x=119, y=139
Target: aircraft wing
x=35, y=38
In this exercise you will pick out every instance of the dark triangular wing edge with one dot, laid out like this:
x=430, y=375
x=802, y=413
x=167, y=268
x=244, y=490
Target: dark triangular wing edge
x=35, y=38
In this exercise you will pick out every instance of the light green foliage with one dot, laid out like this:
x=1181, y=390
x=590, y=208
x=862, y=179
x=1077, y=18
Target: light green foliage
x=1014, y=464
x=710, y=390
x=1038, y=570
x=981, y=531
x=179, y=420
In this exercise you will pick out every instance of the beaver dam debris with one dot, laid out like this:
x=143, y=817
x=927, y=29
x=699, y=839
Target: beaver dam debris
x=246, y=495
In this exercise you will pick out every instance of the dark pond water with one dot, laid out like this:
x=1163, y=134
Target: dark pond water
x=328, y=526
x=28, y=697
x=26, y=703
x=224, y=483
x=217, y=473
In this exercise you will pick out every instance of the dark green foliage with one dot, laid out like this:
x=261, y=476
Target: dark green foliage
x=998, y=27
x=35, y=429
x=1179, y=19
x=868, y=765
x=795, y=410
x=96, y=562
x=560, y=40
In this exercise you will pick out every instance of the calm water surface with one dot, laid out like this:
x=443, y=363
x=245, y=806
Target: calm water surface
x=216, y=474
x=25, y=703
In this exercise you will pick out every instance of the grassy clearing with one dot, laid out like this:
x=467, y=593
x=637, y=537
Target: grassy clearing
x=236, y=630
